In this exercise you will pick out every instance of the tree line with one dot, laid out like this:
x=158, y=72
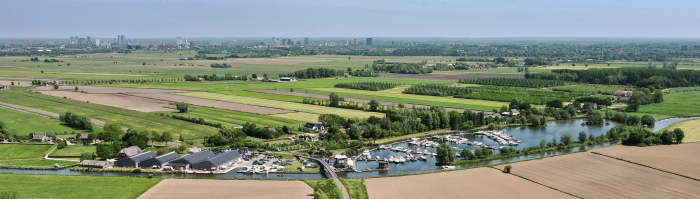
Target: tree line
x=372, y=86
x=529, y=83
x=217, y=65
x=441, y=90
x=313, y=73
x=656, y=78
x=77, y=121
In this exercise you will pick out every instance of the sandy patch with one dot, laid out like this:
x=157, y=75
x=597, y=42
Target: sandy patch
x=681, y=159
x=108, y=74
x=454, y=77
x=588, y=175
x=199, y=188
x=116, y=100
x=213, y=103
x=470, y=183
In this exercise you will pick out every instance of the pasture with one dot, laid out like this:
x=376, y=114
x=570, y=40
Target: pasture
x=202, y=188
x=35, y=163
x=679, y=158
x=23, y=151
x=677, y=103
x=73, y=150
x=23, y=123
x=67, y=186
x=237, y=118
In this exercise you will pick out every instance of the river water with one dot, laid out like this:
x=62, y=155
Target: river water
x=530, y=136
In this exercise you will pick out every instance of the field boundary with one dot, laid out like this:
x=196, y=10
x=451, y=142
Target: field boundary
x=538, y=183
x=647, y=166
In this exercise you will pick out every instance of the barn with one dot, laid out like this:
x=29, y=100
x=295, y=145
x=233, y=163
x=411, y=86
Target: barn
x=133, y=161
x=160, y=161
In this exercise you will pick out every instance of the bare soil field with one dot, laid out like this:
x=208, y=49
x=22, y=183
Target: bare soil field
x=454, y=77
x=17, y=83
x=589, y=175
x=470, y=183
x=213, y=103
x=108, y=74
x=200, y=188
x=356, y=100
x=106, y=90
x=680, y=159
x=116, y=100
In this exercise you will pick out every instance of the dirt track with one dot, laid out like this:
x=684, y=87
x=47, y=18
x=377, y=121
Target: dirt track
x=454, y=77
x=588, y=175
x=116, y=100
x=200, y=188
x=214, y=103
x=470, y=183
x=681, y=159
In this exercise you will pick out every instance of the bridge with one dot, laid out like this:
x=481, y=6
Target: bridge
x=329, y=169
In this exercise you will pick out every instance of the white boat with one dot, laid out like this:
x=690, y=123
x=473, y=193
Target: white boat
x=402, y=159
x=391, y=159
x=378, y=158
x=448, y=167
x=366, y=153
x=422, y=158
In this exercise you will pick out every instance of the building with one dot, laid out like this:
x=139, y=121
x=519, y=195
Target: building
x=341, y=161
x=133, y=161
x=128, y=152
x=185, y=162
x=393, y=43
x=160, y=161
x=218, y=162
x=306, y=41
x=288, y=79
x=383, y=164
x=40, y=138
x=308, y=137
x=97, y=42
x=315, y=126
x=357, y=41
x=514, y=112
x=623, y=93
x=178, y=40
x=368, y=41
x=96, y=164
x=121, y=39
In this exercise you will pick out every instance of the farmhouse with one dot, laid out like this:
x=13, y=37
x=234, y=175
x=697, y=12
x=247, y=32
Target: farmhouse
x=96, y=164
x=128, y=152
x=308, y=137
x=185, y=162
x=623, y=93
x=133, y=161
x=218, y=162
x=160, y=161
x=288, y=79
x=40, y=138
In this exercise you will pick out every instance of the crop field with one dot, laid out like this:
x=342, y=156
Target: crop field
x=284, y=105
x=116, y=100
x=588, y=175
x=23, y=151
x=416, y=99
x=73, y=150
x=67, y=186
x=455, y=76
x=691, y=130
x=237, y=118
x=680, y=159
x=676, y=104
x=299, y=116
x=201, y=188
x=214, y=103
x=470, y=183
x=24, y=123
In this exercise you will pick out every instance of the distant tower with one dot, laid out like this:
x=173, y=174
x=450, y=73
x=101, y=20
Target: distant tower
x=357, y=41
x=393, y=43
x=97, y=42
x=306, y=41
x=368, y=41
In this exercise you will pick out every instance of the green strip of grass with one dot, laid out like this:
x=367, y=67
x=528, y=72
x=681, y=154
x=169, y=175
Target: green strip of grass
x=236, y=118
x=60, y=186
x=22, y=123
x=73, y=150
x=35, y=164
x=324, y=189
x=356, y=187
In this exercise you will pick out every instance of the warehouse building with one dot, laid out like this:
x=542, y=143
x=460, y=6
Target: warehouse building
x=185, y=162
x=218, y=162
x=160, y=161
x=133, y=161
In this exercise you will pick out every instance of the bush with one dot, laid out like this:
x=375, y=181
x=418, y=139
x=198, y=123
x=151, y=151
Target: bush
x=136, y=171
x=182, y=107
x=648, y=120
x=507, y=169
x=9, y=195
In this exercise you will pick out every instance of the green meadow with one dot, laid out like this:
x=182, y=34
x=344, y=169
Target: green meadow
x=67, y=186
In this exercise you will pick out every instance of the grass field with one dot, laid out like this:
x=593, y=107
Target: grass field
x=283, y=105
x=60, y=186
x=73, y=150
x=24, y=123
x=356, y=187
x=23, y=151
x=676, y=104
x=324, y=189
x=691, y=129
x=470, y=104
x=237, y=118
x=35, y=163
x=299, y=116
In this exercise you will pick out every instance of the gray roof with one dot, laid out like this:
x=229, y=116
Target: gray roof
x=167, y=157
x=93, y=163
x=131, y=151
x=194, y=158
x=39, y=136
x=217, y=160
x=143, y=156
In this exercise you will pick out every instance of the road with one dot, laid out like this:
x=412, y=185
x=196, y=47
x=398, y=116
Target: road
x=335, y=176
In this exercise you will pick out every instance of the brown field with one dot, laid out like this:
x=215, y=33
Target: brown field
x=109, y=74
x=106, y=90
x=588, y=175
x=116, y=100
x=681, y=159
x=200, y=188
x=470, y=183
x=454, y=77
x=9, y=83
x=356, y=100
x=214, y=103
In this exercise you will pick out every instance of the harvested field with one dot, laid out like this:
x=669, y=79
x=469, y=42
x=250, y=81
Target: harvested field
x=9, y=83
x=691, y=129
x=116, y=100
x=356, y=100
x=588, y=175
x=681, y=159
x=200, y=188
x=470, y=183
x=107, y=90
x=454, y=77
x=214, y=103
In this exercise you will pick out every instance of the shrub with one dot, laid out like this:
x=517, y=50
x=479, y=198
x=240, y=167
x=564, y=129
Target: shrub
x=136, y=171
x=507, y=169
x=182, y=107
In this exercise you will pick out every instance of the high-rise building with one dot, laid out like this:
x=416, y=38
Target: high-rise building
x=368, y=41
x=97, y=42
x=179, y=40
x=357, y=41
x=393, y=43
x=121, y=39
x=306, y=41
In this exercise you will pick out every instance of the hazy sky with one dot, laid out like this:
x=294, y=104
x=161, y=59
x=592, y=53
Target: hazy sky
x=349, y=18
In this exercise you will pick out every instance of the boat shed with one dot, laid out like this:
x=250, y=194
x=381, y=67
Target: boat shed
x=133, y=161
x=185, y=162
x=161, y=160
x=219, y=161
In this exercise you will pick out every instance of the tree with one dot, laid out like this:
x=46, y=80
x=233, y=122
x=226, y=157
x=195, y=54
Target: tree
x=166, y=137
x=285, y=129
x=55, y=86
x=445, y=154
x=595, y=117
x=155, y=137
x=658, y=96
x=61, y=144
x=104, y=151
x=354, y=132
x=111, y=132
x=76, y=88
x=374, y=105
x=582, y=137
x=567, y=139
x=87, y=156
x=633, y=120
x=556, y=103
x=679, y=135
x=254, y=76
x=667, y=137
x=478, y=153
x=182, y=107
x=554, y=140
x=162, y=151
x=648, y=120
x=12, y=83
x=507, y=169
x=181, y=139
x=486, y=152
x=467, y=154
x=335, y=99
x=330, y=120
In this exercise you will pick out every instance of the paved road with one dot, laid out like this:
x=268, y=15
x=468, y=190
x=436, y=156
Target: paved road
x=335, y=176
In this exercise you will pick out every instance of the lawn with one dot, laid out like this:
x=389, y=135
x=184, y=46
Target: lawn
x=677, y=103
x=299, y=116
x=324, y=189
x=294, y=167
x=415, y=99
x=73, y=150
x=64, y=186
x=691, y=129
x=356, y=187
x=23, y=123
x=347, y=113
x=35, y=163
x=23, y=151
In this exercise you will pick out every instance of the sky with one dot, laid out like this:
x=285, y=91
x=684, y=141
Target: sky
x=349, y=18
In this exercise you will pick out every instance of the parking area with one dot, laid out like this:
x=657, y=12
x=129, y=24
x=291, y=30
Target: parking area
x=272, y=163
